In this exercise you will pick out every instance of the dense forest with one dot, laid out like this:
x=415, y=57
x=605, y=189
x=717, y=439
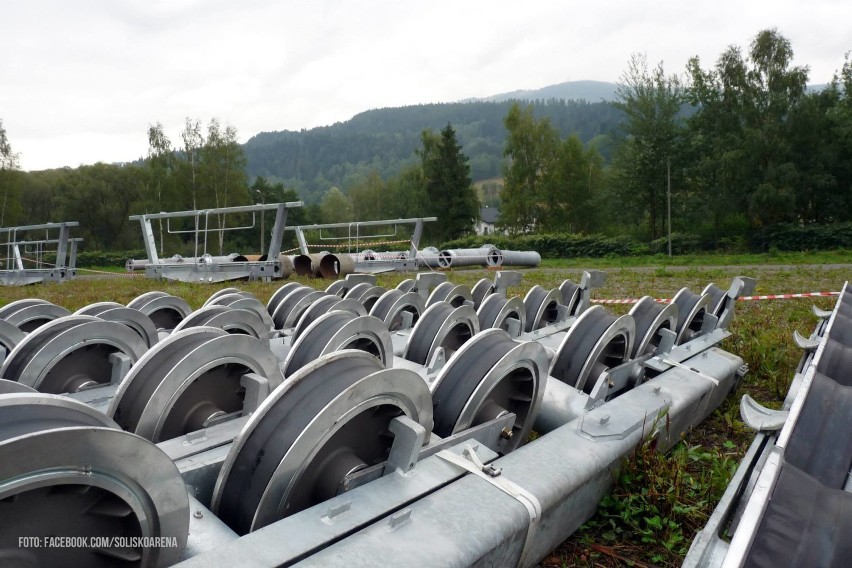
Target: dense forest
x=740, y=147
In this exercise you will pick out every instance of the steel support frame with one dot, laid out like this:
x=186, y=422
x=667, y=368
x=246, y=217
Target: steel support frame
x=213, y=270
x=65, y=267
x=407, y=264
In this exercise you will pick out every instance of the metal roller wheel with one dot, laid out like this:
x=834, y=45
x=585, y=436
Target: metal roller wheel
x=336, y=331
x=294, y=305
x=13, y=307
x=496, y=311
x=134, y=319
x=570, y=296
x=542, y=307
x=279, y=295
x=337, y=288
x=597, y=341
x=224, y=292
x=488, y=377
x=75, y=474
x=370, y=296
x=718, y=299
x=165, y=310
x=406, y=285
x=323, y=306
x=245, y=301
x=391, y=306
x=691, y=311
x=31, y=313
x=189, y=381
x=70, y=354
x=651, y=317
x=358, y=290
x=448, y=292
x=480, y=291
x=25, y=412
x=328, y=420
x=10, y=335
x=232, y=320
x=440, y=326
x=12, y=387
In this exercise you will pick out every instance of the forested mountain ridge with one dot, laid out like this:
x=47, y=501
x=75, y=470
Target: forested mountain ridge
x=384, y=140
x=592, y=91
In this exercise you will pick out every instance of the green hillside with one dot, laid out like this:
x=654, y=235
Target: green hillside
x=384, y=140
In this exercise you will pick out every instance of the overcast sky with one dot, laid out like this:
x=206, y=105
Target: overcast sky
x=81, y=80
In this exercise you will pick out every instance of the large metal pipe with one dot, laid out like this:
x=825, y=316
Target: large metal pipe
x=521, y=258
x=453, y=258
x=308, y=264
x=428, y=257
x=336, y=265
x=286, y=262
x=493, y=256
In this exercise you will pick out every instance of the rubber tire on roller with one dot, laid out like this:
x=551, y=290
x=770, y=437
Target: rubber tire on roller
x=335, y=331
x=223, y=292
x=70, y=353
x=691, y=310
x=245, y=301
x=232, y=320
x=323, y=306
x=718, y=299
x=76, y=474
x=496, y=310
x=541, y=307
x=480, y=291
x=337, y=288
x=452, y=294
x=488, y=376
x=165, y=310
x=132, y=318
x=439, y=326
x=31, y=313
x=291, y=307
x=10, y=335
x=570, y=296
x=192, y=374
x=391, y=305
x=597, y=341
x=651, y=317
x=279, y=295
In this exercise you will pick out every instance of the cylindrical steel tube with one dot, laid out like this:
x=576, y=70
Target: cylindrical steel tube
x=336, y=265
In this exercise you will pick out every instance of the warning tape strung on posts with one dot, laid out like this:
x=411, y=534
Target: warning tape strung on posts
x=741, y=298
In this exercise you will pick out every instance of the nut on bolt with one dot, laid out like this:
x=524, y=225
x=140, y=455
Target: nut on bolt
x=506, y=433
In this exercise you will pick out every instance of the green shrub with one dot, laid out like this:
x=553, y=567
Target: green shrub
x=792, y=238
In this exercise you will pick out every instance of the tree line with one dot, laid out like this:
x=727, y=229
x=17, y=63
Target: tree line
x=206, y=169
x=737, y=146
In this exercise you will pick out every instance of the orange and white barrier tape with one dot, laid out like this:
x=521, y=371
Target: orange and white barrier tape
x=741, y=298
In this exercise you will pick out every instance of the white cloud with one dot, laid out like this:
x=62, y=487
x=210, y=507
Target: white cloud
x=82, y=80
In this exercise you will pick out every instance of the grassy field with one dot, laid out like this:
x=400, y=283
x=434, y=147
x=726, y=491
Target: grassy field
x=658, y=502
x=707, y=259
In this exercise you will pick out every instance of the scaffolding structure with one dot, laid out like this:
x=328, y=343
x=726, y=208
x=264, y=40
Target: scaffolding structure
x=353, y=242
x=203, y=266
x=27, y=254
